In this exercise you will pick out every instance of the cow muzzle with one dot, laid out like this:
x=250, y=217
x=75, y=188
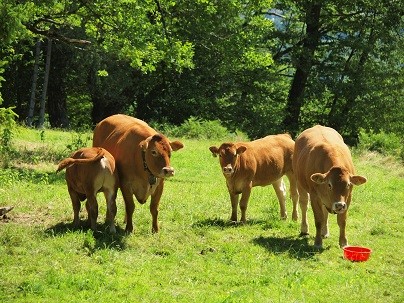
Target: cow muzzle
x=339, y=207
x=228, y=170
x=168, y=171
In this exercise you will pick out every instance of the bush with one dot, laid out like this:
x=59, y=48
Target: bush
x=195, y=128
x=7, y=130
x=386, y=144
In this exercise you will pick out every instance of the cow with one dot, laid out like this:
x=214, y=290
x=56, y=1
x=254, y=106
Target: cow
x=142, y=158
x=258, y=163
x=325, y=173
x=90, y=170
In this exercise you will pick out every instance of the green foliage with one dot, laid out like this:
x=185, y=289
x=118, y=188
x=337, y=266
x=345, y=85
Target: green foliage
x=195, y=128
x=223, y=60
x=7, y=132
x=78, y=141
x=386, y=144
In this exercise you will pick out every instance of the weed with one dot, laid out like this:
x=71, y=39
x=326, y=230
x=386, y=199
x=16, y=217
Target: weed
x=78, y=141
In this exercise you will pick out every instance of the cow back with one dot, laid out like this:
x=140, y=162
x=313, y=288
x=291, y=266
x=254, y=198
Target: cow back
x=267, y=159
x=121, y=135
x=317, y=149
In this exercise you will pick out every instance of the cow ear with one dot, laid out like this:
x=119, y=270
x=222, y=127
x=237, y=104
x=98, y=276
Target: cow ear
x=318, y=178
x=358, y=180
x=214, y=150
x=145, y=143
x=241, y=149
x=176, y=145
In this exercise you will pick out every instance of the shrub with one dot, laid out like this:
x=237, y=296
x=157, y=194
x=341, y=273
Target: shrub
x=7, y=130
x=386, y=144
x=195, y=128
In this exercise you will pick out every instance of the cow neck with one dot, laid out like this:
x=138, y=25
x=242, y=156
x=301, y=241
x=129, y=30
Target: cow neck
x=152, y=178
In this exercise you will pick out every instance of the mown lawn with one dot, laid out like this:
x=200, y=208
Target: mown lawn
x=198, y=256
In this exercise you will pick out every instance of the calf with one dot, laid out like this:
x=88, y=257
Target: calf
x=89, y=171
x=325, y=173
x=258, y=163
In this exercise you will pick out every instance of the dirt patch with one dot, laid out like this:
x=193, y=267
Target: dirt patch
x=44, y=218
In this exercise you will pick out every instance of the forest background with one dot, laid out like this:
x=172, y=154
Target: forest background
x=257, y=66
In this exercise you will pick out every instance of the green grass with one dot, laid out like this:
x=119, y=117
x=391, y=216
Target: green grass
x=198, y=256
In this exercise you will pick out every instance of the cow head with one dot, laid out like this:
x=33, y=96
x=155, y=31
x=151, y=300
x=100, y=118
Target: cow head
x=157, y=152
x=228, y=154
x=339, y=182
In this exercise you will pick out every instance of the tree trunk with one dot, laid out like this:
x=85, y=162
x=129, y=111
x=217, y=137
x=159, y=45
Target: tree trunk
x=45, y=85
x=303, y=66
x=33, y=88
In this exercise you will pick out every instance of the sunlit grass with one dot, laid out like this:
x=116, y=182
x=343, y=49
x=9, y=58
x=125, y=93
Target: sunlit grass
x=198, y=256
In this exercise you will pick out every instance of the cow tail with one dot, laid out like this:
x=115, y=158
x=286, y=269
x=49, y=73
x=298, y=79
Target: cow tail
x=64, y=163
x=70, y=161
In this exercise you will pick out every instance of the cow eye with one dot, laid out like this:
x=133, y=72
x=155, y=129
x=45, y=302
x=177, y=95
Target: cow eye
x=154, y=153
x=329, y=186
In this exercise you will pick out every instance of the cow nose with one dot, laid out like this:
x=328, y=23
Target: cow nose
x=227, y=170
x=339, y=207
x=168, y=171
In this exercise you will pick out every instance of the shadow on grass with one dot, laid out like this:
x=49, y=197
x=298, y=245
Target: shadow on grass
x=220, y=223
x=296, y=247
x=102, y=238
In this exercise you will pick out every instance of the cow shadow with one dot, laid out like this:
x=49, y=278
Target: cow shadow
x=296, y=247
x=102, y=238
x=222, y=224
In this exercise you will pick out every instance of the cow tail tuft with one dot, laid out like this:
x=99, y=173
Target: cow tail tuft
x=64, y=163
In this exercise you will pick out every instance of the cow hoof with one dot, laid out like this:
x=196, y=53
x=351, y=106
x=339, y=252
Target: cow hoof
x=318, y=246
x=302, y=234
x=112, y=229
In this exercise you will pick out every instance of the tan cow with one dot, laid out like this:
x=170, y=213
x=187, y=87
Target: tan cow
x=88, y=171
x=142, y=158
x=258, y=163
x=325, y=173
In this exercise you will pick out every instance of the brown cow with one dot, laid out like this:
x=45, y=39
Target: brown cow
x=325, y=173
x=88, y=171
x=142, y=158
x=258, y=163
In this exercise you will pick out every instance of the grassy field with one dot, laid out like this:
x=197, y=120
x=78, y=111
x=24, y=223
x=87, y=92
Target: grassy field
x=198, y=256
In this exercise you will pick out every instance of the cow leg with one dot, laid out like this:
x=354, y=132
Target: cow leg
x=92, y=209
x=74, y=196
x=234, y=206
x=154, y=206
x=324, y=229
x=294, y=195
x=304, y=203
x=280, y=190
x=341, y=219
x=129, y=207
x=245, y=196
x=317, y=207
x=110, y=198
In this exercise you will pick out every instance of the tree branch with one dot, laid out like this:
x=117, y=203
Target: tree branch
x=51, y=34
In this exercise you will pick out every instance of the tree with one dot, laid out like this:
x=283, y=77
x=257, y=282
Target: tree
x=349, y=39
